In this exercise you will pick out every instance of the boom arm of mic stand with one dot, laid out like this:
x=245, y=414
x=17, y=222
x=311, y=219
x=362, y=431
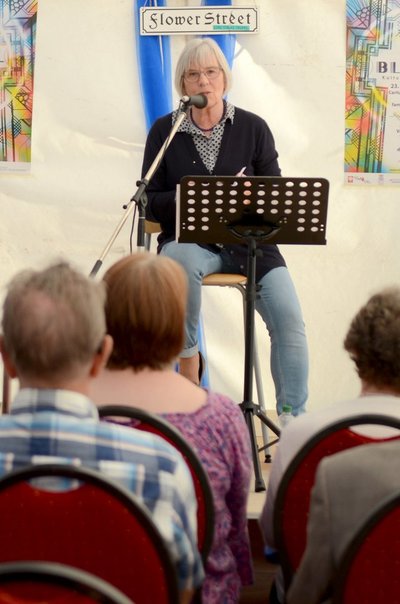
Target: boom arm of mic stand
x=139, y=196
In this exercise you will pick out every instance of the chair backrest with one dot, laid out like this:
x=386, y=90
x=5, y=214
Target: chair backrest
x=294, y=492
x=149, y=422
x=37, y=582
x=76, y=516
x=369, y=569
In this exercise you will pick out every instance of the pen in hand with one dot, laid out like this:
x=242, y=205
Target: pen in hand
x=241, y=172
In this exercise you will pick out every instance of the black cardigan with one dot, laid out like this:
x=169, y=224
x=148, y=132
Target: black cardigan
x=247, y=141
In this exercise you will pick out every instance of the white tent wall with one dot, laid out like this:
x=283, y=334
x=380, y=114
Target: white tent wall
x=88, y=139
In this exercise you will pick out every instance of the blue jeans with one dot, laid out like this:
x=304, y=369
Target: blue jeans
x=278, y=306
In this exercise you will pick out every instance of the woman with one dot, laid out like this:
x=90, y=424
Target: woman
x=221, y=139
x=145, y=312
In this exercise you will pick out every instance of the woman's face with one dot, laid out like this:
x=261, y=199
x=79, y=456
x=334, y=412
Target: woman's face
x=212, y=87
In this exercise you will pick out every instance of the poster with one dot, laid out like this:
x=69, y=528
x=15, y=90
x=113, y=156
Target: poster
x=372, y=119
x=17, y=56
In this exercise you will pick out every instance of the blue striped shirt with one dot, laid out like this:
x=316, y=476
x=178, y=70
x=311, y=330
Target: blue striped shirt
x=46, y=426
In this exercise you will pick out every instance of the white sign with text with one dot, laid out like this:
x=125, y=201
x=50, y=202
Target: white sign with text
x=155, y=21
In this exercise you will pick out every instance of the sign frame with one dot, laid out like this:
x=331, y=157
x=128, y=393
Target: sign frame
x=211, y=20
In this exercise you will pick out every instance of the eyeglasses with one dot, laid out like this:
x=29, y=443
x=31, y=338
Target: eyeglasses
x=194, y=76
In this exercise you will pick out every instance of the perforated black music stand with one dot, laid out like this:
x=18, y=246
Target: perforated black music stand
x=250, y=210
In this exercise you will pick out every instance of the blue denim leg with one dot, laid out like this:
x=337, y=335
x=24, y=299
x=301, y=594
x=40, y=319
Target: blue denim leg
x=279, y=307
x=197, y=263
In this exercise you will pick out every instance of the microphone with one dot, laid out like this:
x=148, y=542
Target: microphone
x=198, y=100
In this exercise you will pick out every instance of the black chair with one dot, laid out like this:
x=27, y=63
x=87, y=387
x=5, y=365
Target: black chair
x=369, y=569
x=292, y=502
x=149, y=422
x=38, y=582
x=79, y=517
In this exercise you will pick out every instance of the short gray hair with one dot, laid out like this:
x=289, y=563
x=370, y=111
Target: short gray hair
x=53, y=322
x=198, y=50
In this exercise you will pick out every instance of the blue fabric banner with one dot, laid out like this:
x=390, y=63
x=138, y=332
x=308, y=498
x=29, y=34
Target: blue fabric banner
x=154, y=62
x=226, y=42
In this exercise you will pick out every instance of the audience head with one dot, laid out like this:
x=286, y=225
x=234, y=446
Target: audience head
x=145, y=311
x=203, y=52
x=373, y=341
x=53, y=324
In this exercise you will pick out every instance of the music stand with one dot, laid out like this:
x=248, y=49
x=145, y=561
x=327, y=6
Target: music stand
x=232, y=210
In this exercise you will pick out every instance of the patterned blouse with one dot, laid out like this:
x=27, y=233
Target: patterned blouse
x=218, y=433
x=207, y=146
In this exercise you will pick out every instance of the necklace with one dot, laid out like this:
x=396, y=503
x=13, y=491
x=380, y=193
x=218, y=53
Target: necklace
x=199, y=127
x=206, y=129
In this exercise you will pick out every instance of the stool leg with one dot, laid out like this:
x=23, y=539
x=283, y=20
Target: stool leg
x=6, y=392
x=261, y=400
x=147, y=241
x=257, y=374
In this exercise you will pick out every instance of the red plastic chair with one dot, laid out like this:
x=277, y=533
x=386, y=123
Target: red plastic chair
x=149, y=422
x=369, y=570
x=94, y=524
x=39, y=582
x=294, y=492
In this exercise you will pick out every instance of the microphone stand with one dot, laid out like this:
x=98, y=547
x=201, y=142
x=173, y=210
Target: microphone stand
x=140, y=197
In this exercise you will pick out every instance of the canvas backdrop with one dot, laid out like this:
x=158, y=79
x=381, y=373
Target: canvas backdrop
x=88, y=137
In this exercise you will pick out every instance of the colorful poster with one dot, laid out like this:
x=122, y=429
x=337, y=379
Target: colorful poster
x=372, y=129
x=17, y=55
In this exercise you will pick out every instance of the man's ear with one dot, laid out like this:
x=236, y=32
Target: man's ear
x=11, y=371
x=101, y=357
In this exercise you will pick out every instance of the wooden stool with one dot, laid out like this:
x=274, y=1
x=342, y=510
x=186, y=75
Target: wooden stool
x=239, y=282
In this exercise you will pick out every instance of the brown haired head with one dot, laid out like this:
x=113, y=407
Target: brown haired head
x=145, y=311
x=373, y=340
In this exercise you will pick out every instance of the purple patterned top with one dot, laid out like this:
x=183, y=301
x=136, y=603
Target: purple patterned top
x=218, y=433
